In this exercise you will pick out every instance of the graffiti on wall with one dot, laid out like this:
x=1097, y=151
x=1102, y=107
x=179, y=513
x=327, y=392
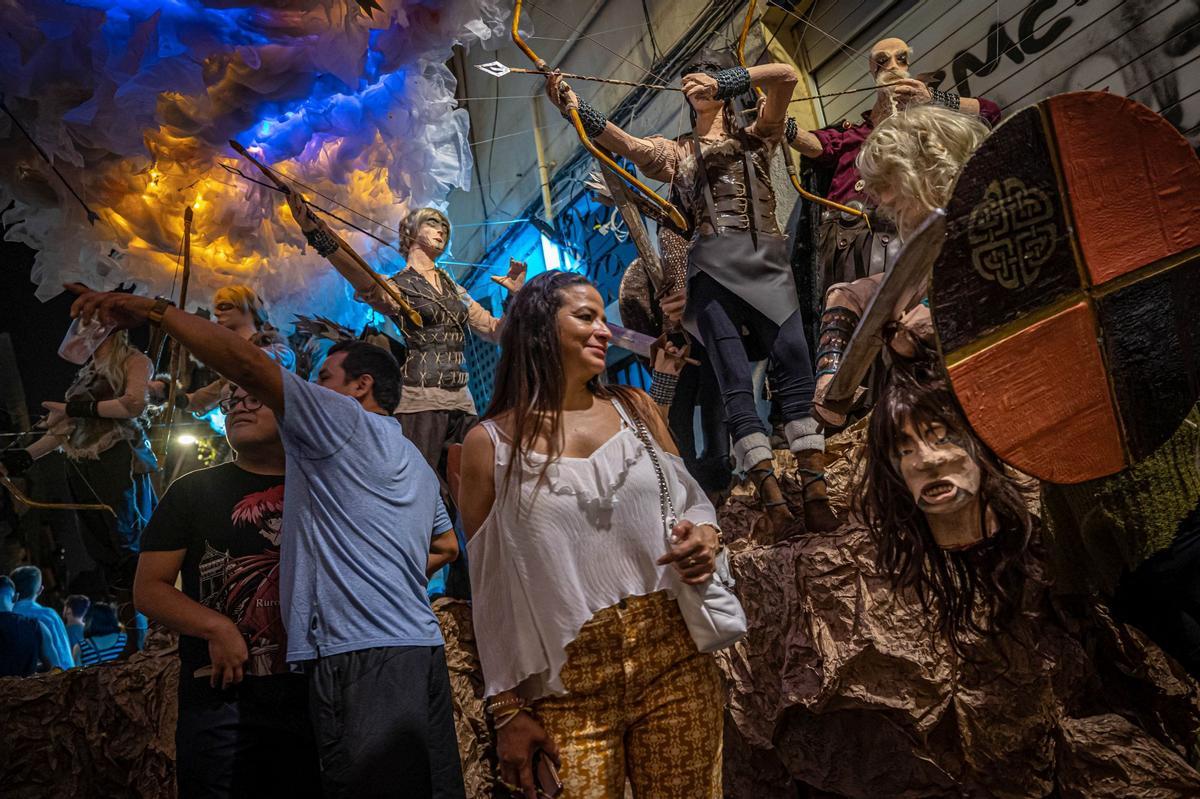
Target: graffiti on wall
x=1017, y=54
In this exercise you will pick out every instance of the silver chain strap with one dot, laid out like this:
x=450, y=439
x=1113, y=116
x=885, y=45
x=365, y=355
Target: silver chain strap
x=666, y=505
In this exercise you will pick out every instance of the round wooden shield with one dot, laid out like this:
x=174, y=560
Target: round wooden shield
x=1066, y=298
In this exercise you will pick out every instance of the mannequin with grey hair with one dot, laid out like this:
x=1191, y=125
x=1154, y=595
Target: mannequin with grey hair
x=909, y=164
x=848, y=247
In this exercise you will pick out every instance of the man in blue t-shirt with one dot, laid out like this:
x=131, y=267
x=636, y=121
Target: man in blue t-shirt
x=28, y=582
x=24, y=642
x=365, y=528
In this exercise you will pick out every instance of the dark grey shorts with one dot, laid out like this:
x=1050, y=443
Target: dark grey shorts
x=384, y=724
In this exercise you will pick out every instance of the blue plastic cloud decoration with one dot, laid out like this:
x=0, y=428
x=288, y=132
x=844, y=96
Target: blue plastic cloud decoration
x=134, y=102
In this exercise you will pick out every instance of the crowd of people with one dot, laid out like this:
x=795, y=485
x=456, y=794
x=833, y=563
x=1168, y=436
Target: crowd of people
x=37, y=638
x=297, y=574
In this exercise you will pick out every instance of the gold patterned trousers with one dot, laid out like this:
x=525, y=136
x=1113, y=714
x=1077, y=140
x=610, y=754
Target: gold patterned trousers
x=642, y=704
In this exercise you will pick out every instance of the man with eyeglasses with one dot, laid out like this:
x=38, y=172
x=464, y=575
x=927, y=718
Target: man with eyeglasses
x=243, y=725
x=363, y=527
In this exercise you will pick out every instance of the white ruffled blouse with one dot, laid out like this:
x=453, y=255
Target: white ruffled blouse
x=584, y=539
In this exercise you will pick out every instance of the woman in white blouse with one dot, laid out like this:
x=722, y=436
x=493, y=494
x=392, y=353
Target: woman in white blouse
x=587, y=661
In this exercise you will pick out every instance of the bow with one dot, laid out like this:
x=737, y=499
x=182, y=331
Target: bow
x=21, y=497
x=178, y=358
x=788, y=159
x=388, y=288
x=608, y=165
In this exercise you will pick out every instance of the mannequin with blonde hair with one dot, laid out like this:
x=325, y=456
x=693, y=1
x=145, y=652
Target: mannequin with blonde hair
x=102, y=428
x=238, y=308
x=849, y=248
x=909, y=163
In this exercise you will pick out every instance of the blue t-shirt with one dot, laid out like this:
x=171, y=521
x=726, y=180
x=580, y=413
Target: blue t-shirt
x=360, y=508
x=60, y=646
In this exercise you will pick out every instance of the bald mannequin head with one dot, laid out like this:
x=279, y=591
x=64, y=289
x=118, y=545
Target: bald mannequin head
x=888, y=60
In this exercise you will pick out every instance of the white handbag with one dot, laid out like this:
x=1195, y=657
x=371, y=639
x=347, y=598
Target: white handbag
x=714, y=616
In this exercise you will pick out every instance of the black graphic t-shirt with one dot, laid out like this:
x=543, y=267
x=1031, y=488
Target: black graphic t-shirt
x=229, y=521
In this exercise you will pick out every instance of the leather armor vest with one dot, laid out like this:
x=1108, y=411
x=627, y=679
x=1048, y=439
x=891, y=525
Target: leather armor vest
x=435, y=350
x=732, y=189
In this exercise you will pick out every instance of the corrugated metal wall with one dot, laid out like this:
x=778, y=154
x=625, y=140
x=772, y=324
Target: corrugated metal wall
x=1016, y=53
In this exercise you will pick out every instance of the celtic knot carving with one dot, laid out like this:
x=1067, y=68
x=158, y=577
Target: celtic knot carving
x=1012, y=233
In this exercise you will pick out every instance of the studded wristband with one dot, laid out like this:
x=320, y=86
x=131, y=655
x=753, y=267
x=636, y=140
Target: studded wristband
x=946, y=99
x=85, y=409
x=322, y=241
x=593, y=121
x=732, y=82
x=662, y=388
x=790, y=130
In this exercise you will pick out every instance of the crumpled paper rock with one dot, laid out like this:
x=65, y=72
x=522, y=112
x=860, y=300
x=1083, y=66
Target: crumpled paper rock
x=102, y=731
x=109, y=731
x=840, y=682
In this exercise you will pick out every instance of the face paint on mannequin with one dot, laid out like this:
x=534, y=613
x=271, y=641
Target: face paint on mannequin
x=889, y=61
x=432, y=236
x=944, y=480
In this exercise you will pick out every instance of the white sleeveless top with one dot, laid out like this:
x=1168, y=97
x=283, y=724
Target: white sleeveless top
x=585, y=539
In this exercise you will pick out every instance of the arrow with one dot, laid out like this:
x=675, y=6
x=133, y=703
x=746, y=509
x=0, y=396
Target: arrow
x=496, y=69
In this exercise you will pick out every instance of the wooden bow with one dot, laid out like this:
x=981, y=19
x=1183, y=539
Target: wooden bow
x=606, y=160
x=788, y=159
x=21, y=497
x=178, y=355
x=389, y=289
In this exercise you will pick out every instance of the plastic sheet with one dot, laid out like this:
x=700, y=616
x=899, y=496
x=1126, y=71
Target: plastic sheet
x=134, y=101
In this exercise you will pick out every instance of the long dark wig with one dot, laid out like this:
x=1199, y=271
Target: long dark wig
x=530, y=378
x=976, y=591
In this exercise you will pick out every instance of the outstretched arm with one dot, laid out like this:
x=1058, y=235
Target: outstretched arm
x=129, y=405
x=364, y=287
x=483, y=323
x=655, y=157
x=233, y=357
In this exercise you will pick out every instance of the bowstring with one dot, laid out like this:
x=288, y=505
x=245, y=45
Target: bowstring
x=599, y=44
x=810, y=24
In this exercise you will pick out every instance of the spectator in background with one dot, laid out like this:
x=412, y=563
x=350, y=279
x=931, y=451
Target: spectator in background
x=28, y=583
x=104, y=639
x=75, y=610
x=24, y=642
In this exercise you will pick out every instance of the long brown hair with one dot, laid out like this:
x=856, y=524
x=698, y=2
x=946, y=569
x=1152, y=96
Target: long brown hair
x=980, y=590
x=530, y=376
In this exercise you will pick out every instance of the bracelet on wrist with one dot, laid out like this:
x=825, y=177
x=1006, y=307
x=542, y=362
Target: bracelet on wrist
x=83, y=409
x=504, y=704
x=791, y=129
x=161, y=304
x=593, y=121
x=322, y=241
x=732, y=82
x=662, y=387
x=507, y=717
x=720, y=537
x=949, y=100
